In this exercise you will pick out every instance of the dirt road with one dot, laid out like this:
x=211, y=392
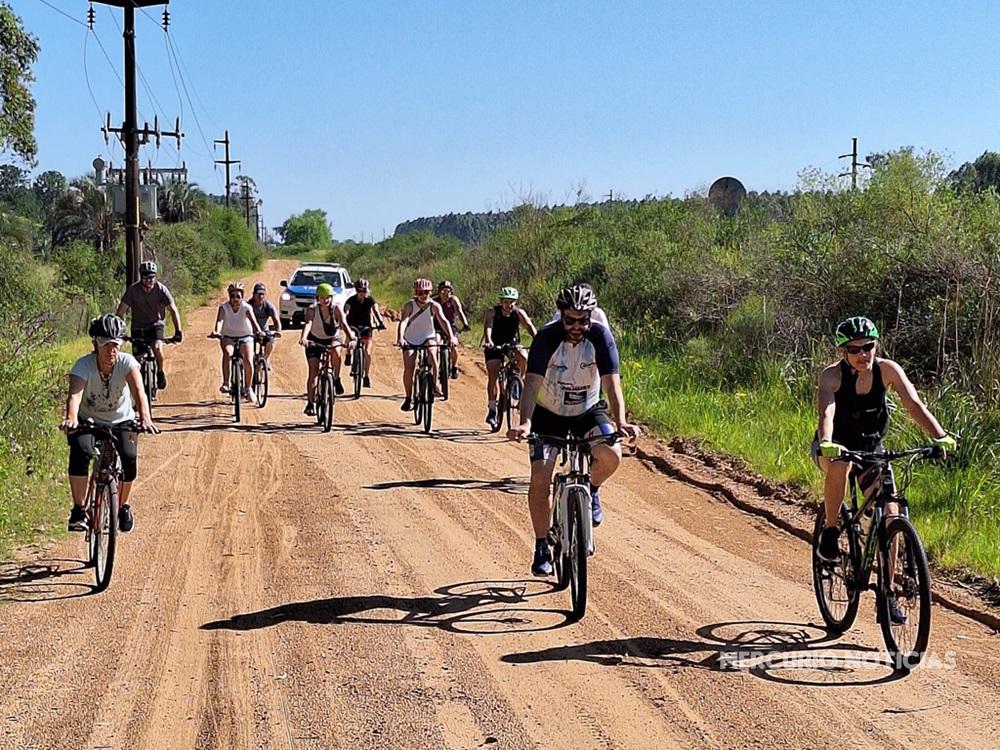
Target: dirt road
x=369, y=588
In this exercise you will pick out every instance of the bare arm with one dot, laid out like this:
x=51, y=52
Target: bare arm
x=253, y=321
x=488, y=330
x=341, y=317
x=310, y=312
x=892, y=374
x=532, y=331
x=461, y=312
x=217, y=328
x=443, y=321
x=404, y=320
x=175, y=314
x=612, y=386
x=378, y=314
x=73, y=399
x=134, y=381
x=829, y=381
x=532, y=384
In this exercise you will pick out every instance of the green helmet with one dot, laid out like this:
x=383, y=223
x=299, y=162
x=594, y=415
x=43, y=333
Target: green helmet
x=508, y=292
x=324, y=290
x=857, y=327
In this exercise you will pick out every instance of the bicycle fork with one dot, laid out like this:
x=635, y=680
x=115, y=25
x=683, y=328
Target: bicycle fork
x=569, y=491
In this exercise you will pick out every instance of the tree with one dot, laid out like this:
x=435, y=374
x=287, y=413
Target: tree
x=978, y=175
x=309, y=229
x=18, y=52
x=83, y=213
x=181, y=201
x=48, y=187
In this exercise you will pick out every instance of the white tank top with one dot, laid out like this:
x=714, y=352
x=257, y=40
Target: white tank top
x=322, y=331
x=236, y=324
x=420, y=326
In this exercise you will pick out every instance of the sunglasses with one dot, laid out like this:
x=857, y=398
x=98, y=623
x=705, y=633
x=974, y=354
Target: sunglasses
x=235, y=296
x=422, y=294
x=858, y=349
x=570, y=321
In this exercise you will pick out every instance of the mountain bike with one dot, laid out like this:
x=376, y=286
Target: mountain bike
x=142, y=349
x=423, y=385
x=326, y=391
x=101, y=505
x=236, y=386
x=902, y=580
x=259, y=384
x=444, y=361
x=510, y=385
x=571, y=535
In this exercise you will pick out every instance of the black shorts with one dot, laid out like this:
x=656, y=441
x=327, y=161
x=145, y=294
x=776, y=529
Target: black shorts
x=83, y=447
x=315, y=352
x=494, y=353
x=142, y=335
x=592, y=422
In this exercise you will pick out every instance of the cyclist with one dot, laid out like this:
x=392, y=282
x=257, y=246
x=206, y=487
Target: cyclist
x=266, y=315
x=237, y=325
x=854, y=415
x=453, y=311
x=568, y=364
x=362, y=312
x=596, y=316
x=416, y=327
x=149, y=299
x=502, y=325
x=325, y=325
x=103, y=386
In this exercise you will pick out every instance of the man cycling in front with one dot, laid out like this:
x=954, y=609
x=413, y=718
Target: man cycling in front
x=267, y=318
x=451, y=305
x=103, y=385
x=502, y=325
x=854, y=415
x=568, y=364
x=362, y=312
x=149, y=299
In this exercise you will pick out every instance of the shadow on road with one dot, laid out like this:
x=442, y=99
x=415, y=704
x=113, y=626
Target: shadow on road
x=396, y=429
x=474, y=607
x=510, y=485
x=37, y=581
x=787, y=652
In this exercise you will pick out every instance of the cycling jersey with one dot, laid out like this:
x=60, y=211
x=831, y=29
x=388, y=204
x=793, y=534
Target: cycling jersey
x=148, y=308
x=506, y=328
x=264, y=313
x=359, y=311
x=572, y=374
x=860, y=421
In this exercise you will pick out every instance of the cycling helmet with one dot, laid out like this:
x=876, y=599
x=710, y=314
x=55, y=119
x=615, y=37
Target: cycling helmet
x=258, y=287
x=235, y=287
x=423, y=285
x=324, y=290
x=148, y=268
x=445, y=285
x=577, y=297
x=857, y=327
x=508, y=292
x=107, y=326
x=361, y=285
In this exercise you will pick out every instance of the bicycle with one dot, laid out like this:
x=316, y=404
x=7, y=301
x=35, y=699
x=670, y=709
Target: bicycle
x=101, y=505
x=326, y=392
x=259, y=384
x=902, y=581
x=423, y=385
x=360, y=357
x=235, y=374
x=571, y=535
x=142, y=349
x=510, y=385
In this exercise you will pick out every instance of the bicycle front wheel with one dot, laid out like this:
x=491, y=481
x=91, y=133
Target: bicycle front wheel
x=358, y=370
x=236, y=382
x=578, y=553
x=149, y=380
x=904, y=594
x=428, y=401
x=260, y=384
x=105, y=533
x=836, y=592
x=325, y=411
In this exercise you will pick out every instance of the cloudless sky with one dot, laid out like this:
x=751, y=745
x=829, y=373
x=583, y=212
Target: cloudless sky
x=378, y=112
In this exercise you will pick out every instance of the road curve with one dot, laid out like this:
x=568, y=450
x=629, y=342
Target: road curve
x=369, y=588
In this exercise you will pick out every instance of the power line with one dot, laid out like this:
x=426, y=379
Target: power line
x=182, y=66
x=194, y=112
x=61, y=12
x=86, y=76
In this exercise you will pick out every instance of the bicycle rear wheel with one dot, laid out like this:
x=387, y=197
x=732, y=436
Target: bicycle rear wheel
x=105, y=533
x=91, y=504
x=836, y=592
x=444, y=370
x=428, y=401
x=325, y=411
x=260, y=384
x=909, y=589
x=149, y=380
x=358, y=369
x=577, y=553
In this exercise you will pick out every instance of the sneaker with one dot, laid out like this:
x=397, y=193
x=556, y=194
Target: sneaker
x=161, y=380
x=247, y=396
x=897, y=616
x=515, y=391
x=596, y=511
x=126, y=521
x=454, y=373
x=541, y=563
x=338, y=387
x=310, y=410
x=491, y=418
x=367, y=382
x=829, y=549
x=407, y=406
x=224, y=388
x=77, y=519
x=267, y=365
x=348, y=359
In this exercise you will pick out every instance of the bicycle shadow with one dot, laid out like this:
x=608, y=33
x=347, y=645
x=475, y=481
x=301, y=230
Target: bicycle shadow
x=472, y=607
x=509, y=485
x=767, y=650
x=394, y=429
x=263, y=428
x=35, y=581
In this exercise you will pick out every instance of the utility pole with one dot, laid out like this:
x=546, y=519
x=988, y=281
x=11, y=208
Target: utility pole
x=130, y=135
x=854, y=164
x=228, y=162
x=246, y=199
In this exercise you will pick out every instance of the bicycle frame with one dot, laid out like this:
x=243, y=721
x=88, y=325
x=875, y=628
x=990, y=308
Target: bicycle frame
x=563, y=484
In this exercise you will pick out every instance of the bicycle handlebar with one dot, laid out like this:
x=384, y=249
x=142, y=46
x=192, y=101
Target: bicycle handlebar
x=886, y=457
x=573, y=442
x=90, y=426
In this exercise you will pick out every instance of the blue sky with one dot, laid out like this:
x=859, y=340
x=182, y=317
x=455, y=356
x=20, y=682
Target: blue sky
x=380, y=112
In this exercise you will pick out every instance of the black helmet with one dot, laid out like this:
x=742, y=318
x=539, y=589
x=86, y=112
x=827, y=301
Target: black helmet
x=858, y=327
x=107, y=326
x=445, y=285
x=259, y=287
x=361, y=285
x=577, y=297
x=147, y=268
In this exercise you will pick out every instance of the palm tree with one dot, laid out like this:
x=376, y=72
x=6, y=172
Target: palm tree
x=181, y=201
x=84, y=212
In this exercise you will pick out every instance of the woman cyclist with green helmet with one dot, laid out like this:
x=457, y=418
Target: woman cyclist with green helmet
x=324, y=325
x=502, y=325
x=853, y=414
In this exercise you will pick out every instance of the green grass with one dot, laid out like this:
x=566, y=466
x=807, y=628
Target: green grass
x=956, y=507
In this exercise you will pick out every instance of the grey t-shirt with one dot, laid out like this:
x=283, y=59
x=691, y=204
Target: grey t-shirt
x=106, y=403
x=148, y=308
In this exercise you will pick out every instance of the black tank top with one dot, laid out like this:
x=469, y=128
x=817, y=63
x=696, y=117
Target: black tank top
x=860, y=421
x=506, y=330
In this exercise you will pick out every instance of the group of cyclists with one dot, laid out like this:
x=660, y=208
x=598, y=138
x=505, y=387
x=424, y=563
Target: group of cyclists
x=572, y=382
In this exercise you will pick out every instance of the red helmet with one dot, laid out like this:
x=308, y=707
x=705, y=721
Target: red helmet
x=423, y=285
